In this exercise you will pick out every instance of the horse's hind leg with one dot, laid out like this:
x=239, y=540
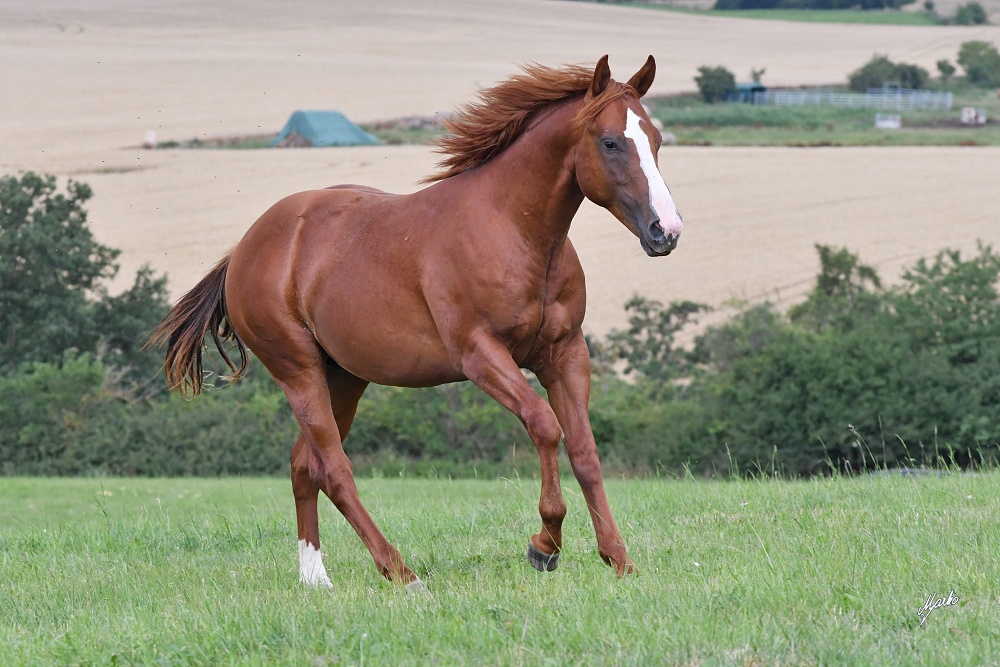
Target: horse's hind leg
x=312, y=572
x=299, y=366
x=345, y=392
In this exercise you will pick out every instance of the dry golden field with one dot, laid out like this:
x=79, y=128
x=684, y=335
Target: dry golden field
x=83, y=82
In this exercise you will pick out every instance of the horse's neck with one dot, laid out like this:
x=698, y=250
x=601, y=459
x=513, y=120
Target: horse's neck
x=534, y=180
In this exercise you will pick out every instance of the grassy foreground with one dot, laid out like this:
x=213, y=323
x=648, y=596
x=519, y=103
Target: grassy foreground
x=204, y=572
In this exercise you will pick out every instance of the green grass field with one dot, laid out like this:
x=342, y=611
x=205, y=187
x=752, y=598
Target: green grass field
x=869, y=17
x=204, y=572
x=694, y=122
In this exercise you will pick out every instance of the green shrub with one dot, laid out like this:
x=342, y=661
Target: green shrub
x=864, y=377
x=946, y=69
x=714, y=83
x=846, y=291
x=971, y=13
x=880, y=70
x=647, y=345
x=981, y=62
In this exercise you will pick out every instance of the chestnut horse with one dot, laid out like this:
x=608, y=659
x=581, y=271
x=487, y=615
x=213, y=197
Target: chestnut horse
x=473, y=278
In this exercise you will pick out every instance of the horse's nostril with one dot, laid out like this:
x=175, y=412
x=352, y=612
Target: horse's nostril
x=656, y=231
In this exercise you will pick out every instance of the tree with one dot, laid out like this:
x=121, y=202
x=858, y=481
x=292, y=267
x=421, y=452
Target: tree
x=647, y=346
x=981, y=62
x=845, y=290
x=52, y=270
x=971, y=13
x=946, y=69
x=714, y=83
x=880, y=70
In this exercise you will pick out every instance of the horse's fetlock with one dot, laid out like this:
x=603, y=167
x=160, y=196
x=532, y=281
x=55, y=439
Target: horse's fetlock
x=552, y=511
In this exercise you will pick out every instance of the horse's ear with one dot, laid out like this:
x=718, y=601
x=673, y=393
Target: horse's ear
x=643, y=79
x=602, y=77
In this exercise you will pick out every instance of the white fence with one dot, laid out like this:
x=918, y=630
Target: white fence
x=897, y=99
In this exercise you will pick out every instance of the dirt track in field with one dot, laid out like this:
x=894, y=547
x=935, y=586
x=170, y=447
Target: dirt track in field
x=81, y=88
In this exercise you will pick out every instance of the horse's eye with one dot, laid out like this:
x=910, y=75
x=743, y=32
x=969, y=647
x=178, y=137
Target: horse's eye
x=610, y=145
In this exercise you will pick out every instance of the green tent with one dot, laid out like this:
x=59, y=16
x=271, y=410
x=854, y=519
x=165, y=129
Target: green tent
x=321, y=128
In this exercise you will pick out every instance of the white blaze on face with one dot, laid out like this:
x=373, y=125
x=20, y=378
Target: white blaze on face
x=659, y=196
x=312, y=572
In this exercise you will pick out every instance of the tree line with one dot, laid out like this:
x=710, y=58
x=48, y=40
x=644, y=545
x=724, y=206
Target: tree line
x=980, y=61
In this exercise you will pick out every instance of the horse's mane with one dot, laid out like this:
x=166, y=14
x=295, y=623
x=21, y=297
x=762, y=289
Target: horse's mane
x=482, y=129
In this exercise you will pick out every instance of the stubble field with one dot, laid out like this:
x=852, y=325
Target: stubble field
x=90, y=81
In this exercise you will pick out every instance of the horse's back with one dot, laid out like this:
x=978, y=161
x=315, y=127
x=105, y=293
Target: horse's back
x=344, y=261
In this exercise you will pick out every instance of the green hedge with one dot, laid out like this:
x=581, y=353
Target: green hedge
x=857, y=377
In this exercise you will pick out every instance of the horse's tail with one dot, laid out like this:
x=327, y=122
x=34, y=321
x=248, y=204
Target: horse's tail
x=200, y=311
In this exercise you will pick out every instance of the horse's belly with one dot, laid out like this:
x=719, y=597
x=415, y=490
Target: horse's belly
x=389, y=344
x=394, y=363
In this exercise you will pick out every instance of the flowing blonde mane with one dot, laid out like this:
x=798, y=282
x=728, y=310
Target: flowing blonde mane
x=481, y=130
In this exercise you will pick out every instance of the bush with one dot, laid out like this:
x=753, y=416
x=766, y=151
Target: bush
x=846, y=291
x=971, y=13
x=67, y=419
x=981, y=62
x=946, y=69
x=880, y=70
x=647, y=346
x=907, y=378
x=52, y=270
x=714, y=83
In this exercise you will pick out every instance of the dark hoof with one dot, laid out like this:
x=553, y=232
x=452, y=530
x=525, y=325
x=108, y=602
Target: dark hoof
x=541, y=561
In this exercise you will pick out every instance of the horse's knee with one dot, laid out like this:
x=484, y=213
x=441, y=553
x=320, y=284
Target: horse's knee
x=587, y=469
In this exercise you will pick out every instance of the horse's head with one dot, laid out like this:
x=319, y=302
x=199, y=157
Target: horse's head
x=616, y=159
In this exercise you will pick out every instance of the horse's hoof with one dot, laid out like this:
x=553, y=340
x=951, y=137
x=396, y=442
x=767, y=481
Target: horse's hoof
x=627, y=569
x=542, y=562
x=416, y=587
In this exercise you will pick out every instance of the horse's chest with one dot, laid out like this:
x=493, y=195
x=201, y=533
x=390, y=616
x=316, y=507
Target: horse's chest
x=530, y=323
x=520, y=322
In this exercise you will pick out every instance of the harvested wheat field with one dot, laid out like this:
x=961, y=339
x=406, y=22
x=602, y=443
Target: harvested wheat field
x=82, y=86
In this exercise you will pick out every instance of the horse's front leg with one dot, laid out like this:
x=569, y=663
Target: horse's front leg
x=490, y=366
x=567, y=380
